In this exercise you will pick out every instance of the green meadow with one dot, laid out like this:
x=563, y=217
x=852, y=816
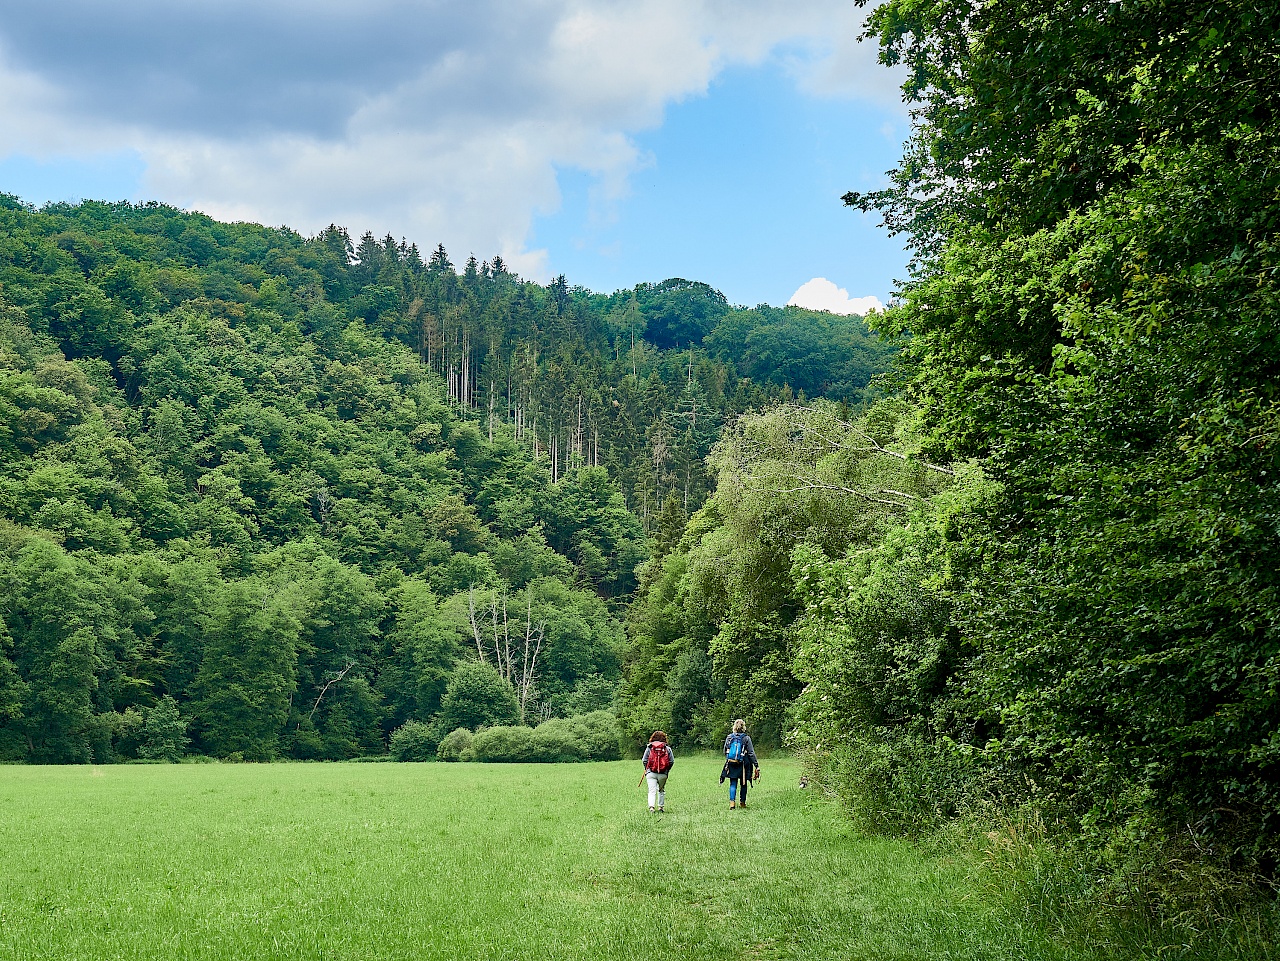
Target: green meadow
x=466, y=861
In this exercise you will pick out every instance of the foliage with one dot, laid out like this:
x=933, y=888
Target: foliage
x=1090, y=191
x=414, y=741
x=583, y=737
x=714, y=623
x=640, y=713
x=456, y=745
x=812, y=353
x=505, y=744
x=164, y=732
x=679, y=313
x=325, y=444
x=247, y=675
x=593, y=692
x=885, y=716
x=477, y=696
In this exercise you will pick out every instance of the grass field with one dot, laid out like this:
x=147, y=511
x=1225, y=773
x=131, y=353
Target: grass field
x=425, y=861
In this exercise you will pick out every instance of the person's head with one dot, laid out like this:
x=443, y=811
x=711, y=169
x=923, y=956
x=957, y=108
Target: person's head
x=739, y=726
x=657, y=736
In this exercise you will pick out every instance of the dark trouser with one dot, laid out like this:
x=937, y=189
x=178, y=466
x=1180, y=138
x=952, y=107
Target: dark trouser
x=738, y=774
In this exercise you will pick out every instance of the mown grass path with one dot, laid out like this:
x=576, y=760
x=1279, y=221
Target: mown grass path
x=427, y=861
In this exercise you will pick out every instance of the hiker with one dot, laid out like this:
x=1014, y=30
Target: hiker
x=658, y=760
x=740, y=764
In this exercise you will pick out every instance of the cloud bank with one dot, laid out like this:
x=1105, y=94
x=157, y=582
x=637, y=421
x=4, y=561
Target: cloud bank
x=439, y=121
x=822, y=294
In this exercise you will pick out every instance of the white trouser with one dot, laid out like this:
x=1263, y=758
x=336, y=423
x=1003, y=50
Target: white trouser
x=657, y=788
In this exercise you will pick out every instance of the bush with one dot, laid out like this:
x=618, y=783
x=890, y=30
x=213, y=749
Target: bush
x=899, y=784
x=415, y=741
x=554, y=742
x=456, y=746
x=504, y=744
x=598, y=735
x=587, y=737
x=477, y=695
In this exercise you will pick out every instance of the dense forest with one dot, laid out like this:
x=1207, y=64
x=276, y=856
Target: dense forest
x=1039, y=582
x=271, y=496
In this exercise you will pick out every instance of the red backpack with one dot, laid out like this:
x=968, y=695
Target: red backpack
x=659, y=758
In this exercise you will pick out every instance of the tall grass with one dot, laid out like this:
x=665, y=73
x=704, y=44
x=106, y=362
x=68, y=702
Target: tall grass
x=1125, y=894
x=426, y=861
x=1133, y=889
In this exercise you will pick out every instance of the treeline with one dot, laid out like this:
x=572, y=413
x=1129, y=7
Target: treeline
x=292, y=549
x=1042, y=582
x=271, y=496
x=639, y=381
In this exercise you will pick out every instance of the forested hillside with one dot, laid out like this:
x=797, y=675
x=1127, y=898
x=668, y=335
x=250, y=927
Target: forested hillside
x=272, y=493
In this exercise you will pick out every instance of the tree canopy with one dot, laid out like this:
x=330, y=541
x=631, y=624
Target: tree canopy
x=250, y=482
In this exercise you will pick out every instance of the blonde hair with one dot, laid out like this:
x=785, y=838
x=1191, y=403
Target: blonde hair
x=739, y=726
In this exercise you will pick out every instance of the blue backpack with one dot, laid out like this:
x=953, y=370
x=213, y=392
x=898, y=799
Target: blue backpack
x=735, y=749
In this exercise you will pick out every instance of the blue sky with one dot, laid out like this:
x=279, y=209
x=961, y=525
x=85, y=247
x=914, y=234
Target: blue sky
x=741, y=190
x=614, y=143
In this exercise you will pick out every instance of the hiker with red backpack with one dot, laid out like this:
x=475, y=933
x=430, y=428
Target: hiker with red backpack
x=739, y=763
x=658, y=761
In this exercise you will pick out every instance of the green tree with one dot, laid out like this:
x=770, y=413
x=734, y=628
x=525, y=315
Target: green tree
x=477, y=696
x=248, y=676
x=588, y=521
x=678, y=312
x=164, y=732
x=53, y=605
x=423, y=651
x=1091, y=190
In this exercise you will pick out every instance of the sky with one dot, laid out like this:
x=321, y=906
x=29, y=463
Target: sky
x=613, y=141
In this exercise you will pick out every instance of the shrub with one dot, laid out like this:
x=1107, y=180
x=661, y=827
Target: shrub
x=456, y=746
x=504, y=744
x=555, y=742
x=415, y=741
x=899, y=784
x=477, y=695
x=587, y=737
x=598, y=736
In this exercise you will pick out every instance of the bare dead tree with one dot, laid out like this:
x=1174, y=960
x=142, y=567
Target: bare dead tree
x=533, y=636
x=328, y=684
x=510, y=648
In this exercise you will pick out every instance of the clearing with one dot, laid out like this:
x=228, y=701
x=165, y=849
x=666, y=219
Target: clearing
x=463, y=861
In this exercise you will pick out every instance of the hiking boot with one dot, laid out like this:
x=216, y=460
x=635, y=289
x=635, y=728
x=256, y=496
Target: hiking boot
x=732, y=805
x=661, y=809
x=650, y=808
x=743, y=804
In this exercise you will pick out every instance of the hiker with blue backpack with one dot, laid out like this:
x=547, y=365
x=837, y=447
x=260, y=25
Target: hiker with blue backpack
x=740, y=764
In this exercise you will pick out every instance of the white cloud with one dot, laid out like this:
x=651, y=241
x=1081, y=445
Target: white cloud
x=822, y=294
x=849, y=66
x=435, y=121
